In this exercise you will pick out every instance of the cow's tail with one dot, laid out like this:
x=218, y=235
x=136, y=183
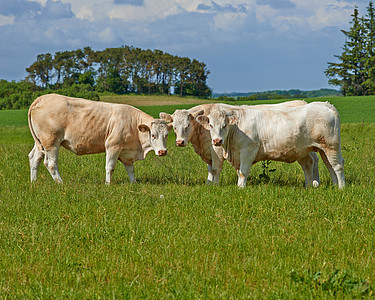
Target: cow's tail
x=36, y=139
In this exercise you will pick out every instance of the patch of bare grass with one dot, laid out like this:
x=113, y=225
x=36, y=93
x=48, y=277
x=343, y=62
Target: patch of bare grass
x=144, y=100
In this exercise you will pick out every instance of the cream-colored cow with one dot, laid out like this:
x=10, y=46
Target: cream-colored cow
x=187, y=129
x=82, y=126
x=247, y=135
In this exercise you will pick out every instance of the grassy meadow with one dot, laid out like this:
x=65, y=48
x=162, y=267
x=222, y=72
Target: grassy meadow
x=171, y=236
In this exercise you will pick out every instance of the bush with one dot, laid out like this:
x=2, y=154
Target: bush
x=20, y=95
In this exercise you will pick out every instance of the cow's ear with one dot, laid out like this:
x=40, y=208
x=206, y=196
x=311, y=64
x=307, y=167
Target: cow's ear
x=232, y=120
x=203, y=119
x=143, y=128
x=198, y=113
x=166, y=117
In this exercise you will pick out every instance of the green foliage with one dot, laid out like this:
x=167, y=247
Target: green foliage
x=20, y=95
x=87, y=78
x=121, y=70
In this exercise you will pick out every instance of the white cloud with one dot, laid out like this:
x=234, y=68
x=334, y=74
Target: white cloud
x=322, y=13
x=229, y=21
x=106, y=35
x=6, y=20
x=151, y=11
x=229, y=15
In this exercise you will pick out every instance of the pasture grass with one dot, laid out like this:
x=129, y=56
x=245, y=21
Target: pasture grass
x=152, y=100
x=353, y=109
x=171, y=236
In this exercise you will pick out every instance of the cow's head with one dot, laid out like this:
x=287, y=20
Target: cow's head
x=183, y=123
x=218, y=124
x=157, y=135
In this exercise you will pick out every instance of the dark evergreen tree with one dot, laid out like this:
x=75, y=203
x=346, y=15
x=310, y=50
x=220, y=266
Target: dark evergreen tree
x=355, y=71
x=369, y=64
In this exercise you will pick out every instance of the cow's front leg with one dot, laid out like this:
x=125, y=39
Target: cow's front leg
x=242, y=174
x=217, y=164
x=309, y=165
x=111, y=160
x=210, y=175
x=246, y=161
x=217, y=167
x=130, y=170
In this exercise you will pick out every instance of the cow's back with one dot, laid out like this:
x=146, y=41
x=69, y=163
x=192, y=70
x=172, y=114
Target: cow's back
x=80, y=125
x=289, y=132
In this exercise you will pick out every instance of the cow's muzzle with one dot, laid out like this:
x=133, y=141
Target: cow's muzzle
x=162, y=152
x=180, y=143
x=217, y=142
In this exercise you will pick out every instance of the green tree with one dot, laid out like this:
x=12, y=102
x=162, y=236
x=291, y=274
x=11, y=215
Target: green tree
x=353, y=73
x=40, y=72
x=369, y=64
x=121, y=70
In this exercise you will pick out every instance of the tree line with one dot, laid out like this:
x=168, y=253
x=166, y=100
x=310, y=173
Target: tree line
x=355, y=71
x=276, y=94
x=121, y=70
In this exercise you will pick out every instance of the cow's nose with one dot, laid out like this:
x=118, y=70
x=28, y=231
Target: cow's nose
x=180, y=143
x=162, y=152
x=217, y=142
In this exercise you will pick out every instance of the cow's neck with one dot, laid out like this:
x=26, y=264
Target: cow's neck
x=195, y=136
x=199, y=139
x=144, y=140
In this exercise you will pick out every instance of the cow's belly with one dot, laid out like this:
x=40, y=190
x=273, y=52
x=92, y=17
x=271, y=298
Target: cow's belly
x=284, y=154
x=83, y=148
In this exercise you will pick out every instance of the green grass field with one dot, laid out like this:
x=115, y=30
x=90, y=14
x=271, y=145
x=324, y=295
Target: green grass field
x=171, y=236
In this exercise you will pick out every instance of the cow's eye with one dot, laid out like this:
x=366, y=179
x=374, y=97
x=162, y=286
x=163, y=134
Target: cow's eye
x=225, y=125
x=211, y=126
x=153, y=136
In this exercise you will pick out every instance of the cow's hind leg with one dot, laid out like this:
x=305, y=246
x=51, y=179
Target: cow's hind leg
x=35, y=158
x=335, y=165
x=316, y=178
x=217, y=166
x=309, y=165
x=50, y=161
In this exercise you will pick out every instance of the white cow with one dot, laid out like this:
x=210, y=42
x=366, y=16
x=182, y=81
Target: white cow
x=187, y=129
x=249, y=135
x=82, y=126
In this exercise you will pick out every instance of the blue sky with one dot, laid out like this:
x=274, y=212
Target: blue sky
x=251, y=45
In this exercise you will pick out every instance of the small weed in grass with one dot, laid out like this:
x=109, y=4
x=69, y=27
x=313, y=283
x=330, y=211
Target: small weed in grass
x=337, y=282
x=265, y=175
